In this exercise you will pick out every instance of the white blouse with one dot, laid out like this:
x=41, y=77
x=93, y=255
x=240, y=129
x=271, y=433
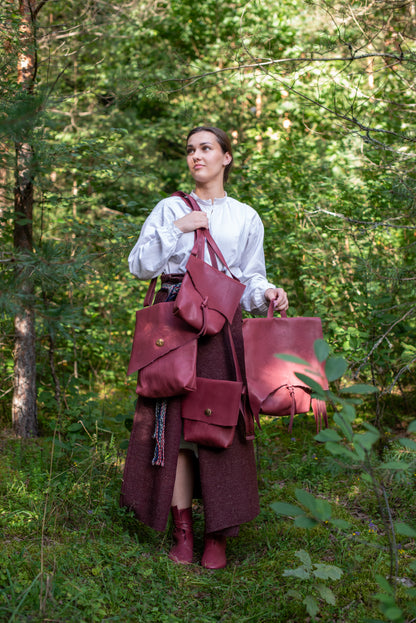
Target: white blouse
x=236, y=228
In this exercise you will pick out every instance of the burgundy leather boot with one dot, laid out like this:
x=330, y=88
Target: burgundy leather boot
x=214, y=553
x=182, y=535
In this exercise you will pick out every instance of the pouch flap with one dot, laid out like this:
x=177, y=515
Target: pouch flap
x=157, y=332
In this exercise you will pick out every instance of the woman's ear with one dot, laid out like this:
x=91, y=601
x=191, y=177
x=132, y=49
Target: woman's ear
x=227, y=158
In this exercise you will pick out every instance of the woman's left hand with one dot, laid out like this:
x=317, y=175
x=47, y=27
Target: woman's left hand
x=279, y=296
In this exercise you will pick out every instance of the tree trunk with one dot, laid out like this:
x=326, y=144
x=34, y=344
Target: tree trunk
x=24, y=416
x=3, y=184
x=7, y=48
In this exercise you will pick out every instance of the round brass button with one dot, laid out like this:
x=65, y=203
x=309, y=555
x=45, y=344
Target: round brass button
x=208, y=412
x=160, y=342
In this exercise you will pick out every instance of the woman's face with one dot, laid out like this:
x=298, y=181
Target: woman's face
x=205, y=158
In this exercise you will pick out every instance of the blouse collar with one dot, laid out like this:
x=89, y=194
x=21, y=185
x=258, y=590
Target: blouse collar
x=207, y=202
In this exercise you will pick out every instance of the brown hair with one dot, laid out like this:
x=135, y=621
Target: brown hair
x=223, y=141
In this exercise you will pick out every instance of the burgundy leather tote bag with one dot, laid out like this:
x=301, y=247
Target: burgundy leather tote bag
x=273, y=387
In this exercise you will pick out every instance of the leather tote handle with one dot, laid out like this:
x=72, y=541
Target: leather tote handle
x=270, y=311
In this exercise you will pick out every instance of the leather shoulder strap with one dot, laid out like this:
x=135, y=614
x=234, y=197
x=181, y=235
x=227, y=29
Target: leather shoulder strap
x=198, y=247
x=150, y=294
x=244, y=407
x=188, y=199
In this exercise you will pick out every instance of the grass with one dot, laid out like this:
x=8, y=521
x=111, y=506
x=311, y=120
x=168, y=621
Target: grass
x=70, y=554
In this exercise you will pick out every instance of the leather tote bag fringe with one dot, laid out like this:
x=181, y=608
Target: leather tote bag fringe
x=273, y=387
x=210, y=413
x=164, y=351
x=207, y=297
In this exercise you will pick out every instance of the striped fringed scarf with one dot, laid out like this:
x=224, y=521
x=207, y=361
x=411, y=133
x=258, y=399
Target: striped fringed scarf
x=162, y=404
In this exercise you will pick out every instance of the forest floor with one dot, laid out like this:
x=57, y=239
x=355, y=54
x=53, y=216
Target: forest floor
x=70, y=554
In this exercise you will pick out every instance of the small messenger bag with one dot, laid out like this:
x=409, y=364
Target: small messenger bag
x=210, y=413
x=164, y=351
x=207, y=297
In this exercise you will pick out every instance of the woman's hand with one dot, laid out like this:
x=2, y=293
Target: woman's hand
x=279, y=296
x=192, y=221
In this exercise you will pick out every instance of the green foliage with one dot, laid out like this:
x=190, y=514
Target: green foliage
x=309, y=573
x=387, y=601
x=353, y=449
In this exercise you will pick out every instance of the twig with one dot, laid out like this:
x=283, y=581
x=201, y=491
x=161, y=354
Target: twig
x=379, y=341
x=405, y=368
x=388, y=223
x=387, y=521
x=38, y=8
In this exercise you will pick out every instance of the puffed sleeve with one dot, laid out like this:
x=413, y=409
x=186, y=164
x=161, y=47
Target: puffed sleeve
x=253, y=269
x=157, y=241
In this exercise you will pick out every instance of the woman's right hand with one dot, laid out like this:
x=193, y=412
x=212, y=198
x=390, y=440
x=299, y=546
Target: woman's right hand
x=192, y=221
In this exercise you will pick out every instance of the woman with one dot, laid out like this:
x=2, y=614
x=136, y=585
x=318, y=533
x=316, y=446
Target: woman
x=225, y=479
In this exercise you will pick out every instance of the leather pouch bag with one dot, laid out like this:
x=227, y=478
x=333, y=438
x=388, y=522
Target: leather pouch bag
x=207, y=297
x=273, y=387
x=164, y=353
x=210, y=414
